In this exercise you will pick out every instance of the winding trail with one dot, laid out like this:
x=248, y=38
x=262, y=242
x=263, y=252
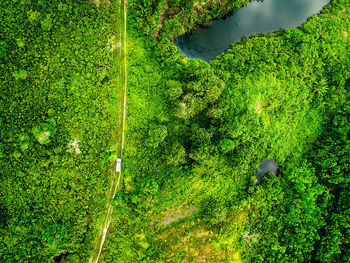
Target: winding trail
x=120, y=141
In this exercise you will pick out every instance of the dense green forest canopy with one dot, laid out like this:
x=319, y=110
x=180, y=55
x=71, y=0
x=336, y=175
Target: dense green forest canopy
x=57, y=121
x=195, y=135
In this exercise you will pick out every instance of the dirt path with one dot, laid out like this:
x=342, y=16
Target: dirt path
x=120, y=141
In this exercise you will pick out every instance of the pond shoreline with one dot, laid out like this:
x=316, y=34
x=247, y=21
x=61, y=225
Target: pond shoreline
x=210, y=40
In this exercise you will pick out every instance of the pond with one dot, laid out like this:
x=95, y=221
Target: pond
x=266, y=166
x=259, y=17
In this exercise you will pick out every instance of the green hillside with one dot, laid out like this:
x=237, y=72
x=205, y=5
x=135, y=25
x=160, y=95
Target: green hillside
x=196, y=133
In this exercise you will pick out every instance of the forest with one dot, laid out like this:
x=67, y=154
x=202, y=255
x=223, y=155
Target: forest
x=196, y=133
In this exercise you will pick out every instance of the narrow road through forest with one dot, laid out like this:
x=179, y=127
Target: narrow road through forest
x=122, y=89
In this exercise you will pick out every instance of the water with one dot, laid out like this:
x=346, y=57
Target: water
x=258, y=17
x=266, y=166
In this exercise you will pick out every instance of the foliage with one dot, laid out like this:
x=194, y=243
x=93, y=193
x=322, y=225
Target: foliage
x=195, y=134
x=172, y=18
x=58, y=86
x=269, y=96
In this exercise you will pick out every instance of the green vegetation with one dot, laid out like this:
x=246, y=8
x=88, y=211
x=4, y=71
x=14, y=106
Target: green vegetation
x=195, y=134
x=58, y=116
x=270, y=96
x=169, y=19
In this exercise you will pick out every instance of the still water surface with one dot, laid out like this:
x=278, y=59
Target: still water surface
x=259, y=17
x=266, y=166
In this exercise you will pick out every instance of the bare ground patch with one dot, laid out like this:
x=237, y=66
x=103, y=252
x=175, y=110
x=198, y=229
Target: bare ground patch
x=181, y=212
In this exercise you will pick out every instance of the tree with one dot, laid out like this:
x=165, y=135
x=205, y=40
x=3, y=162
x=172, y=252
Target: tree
x=43, y=132
x=156, y=135
x=177, y=155
x=214, y=211
x=227, y=145
x=189, y=106
x=174, y=89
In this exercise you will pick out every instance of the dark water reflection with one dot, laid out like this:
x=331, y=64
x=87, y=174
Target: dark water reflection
x=259, y=17
x=266, y=166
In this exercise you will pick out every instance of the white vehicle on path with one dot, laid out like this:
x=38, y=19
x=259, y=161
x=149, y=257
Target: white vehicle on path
x=118, y=167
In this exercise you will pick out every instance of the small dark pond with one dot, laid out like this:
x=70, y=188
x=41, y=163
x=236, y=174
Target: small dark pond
x=266, y=166
x=61, y=257
x=259, y=17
